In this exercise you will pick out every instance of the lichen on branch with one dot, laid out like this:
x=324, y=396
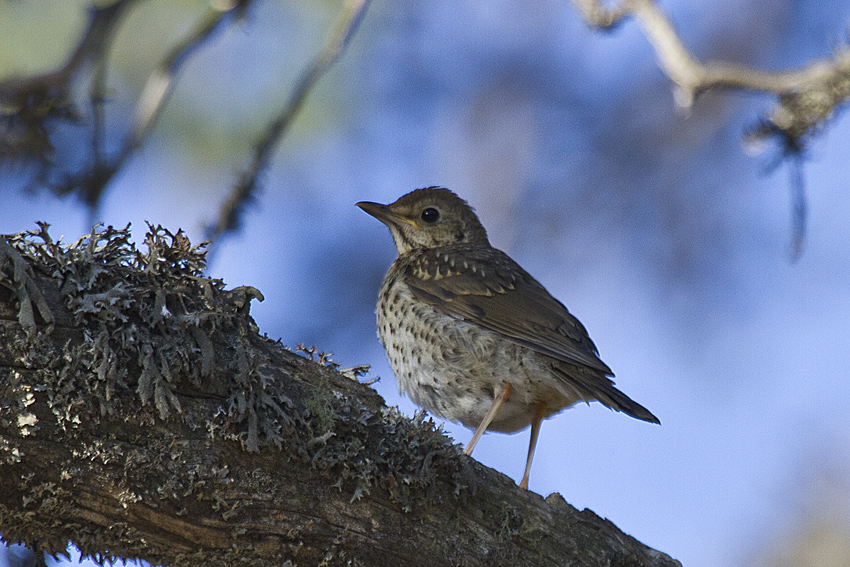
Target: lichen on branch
x=148, y=310
x=152, y=420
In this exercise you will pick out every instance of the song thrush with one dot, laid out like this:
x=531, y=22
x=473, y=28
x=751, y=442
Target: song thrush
x=470, y=335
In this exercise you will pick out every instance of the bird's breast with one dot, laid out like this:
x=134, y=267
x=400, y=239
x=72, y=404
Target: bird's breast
x=453, y=367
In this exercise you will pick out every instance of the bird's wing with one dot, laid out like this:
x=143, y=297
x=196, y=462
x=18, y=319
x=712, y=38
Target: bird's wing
x=484, y=286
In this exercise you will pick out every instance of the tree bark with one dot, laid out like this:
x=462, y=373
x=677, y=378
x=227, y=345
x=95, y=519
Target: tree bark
x=142, y=415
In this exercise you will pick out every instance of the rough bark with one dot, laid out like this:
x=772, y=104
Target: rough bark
x=143, y=416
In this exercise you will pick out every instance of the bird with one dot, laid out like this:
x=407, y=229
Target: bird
x=471, y=336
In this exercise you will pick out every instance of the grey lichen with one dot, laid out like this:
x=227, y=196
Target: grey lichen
x=139, y=343
x=16, y=275
x=147, y=314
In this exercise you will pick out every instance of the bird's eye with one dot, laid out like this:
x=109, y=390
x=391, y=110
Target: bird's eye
x=430, y=215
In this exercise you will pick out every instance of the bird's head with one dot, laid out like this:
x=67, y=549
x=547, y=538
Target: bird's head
x=428, y=218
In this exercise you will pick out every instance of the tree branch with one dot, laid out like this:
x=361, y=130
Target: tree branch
x=33, y=103
x=157, y=90
x=243, y=192
x=162, y=81
x=808, y=97
x=154, y=422
x=37, y=100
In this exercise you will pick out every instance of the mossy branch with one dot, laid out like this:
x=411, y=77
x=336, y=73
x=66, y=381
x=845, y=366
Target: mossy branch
x=142, y=415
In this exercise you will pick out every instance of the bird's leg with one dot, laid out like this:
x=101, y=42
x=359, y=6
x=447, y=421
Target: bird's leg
x=500, y=398
x=535, y=431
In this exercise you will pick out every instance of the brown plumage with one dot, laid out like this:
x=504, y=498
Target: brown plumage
x=470, y=335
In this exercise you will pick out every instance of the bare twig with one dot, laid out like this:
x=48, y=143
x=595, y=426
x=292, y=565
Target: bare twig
x=808, y=97
x=52, y=91
x=693, y=77
x=162, y=81
x=242, y=193
x=95, y=41
x=155, y=94
x=32, y=102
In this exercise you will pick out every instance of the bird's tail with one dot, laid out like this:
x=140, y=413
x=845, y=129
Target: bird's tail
x=628, y=406
x=599, y=387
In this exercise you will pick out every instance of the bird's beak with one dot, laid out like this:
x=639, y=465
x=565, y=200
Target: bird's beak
x=384, y=214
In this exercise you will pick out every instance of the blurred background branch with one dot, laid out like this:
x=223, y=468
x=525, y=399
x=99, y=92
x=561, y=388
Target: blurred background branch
x=807, y=97
x=243, y=192
x=31, y=105
x=157, y=90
